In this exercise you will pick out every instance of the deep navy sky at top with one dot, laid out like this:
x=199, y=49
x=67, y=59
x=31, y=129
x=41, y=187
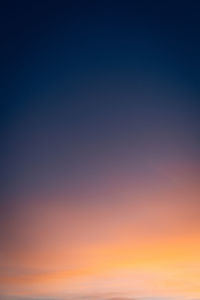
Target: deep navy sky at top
x=77, y=73
x=86, y=33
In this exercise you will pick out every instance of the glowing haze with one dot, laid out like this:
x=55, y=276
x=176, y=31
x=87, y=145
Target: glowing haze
x=101, y=154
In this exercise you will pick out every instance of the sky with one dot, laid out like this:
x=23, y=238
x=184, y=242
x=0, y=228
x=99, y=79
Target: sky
x=100, y=156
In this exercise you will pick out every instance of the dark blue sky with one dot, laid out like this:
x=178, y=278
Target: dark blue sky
x=83, y=73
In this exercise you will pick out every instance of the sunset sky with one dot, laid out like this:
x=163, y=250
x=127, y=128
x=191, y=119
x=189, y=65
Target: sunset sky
x=100, y=168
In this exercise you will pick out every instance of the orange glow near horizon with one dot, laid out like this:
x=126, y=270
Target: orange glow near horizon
x=149, y=246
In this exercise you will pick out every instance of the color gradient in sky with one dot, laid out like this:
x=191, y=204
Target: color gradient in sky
x=100, y=168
